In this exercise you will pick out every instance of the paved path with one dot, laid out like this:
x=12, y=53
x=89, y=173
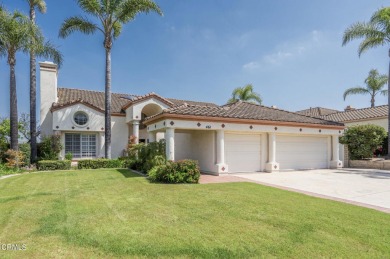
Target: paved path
x=364, y=187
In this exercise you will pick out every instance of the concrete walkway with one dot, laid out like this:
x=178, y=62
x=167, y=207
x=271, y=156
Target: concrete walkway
x=364, y=187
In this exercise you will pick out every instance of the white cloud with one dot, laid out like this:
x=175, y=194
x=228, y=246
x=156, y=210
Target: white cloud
x=287, y=51
x=251, y=65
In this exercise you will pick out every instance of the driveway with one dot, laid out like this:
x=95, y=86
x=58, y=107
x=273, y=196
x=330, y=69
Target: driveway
x=366, y=187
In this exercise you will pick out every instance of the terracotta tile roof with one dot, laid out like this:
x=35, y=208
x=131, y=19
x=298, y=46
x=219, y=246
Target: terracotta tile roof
x=69, y=96
x=358, y=114
x=244, y=110
x=317, y=112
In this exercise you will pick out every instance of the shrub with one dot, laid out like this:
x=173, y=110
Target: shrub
x=49, y=148
x=100, y=163
x=14, y=158
x=46, y=165
x=184, y=171
x=145, y=154
x=363, y=140
x=26, y=150
x=68, y=156
x=5, y=170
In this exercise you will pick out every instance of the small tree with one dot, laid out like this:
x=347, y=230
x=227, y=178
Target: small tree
x=363, y=140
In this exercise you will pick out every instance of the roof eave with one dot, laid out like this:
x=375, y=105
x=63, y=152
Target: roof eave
x=240, y=121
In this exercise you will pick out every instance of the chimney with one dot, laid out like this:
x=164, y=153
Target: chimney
x=48, y=89
x=349, y=108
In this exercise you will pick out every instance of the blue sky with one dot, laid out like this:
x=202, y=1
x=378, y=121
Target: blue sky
x=201, y=50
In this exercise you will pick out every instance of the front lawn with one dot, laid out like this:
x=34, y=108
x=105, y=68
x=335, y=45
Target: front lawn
x=111, y=213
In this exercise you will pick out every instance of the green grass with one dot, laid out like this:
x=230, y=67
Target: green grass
x=114, y=213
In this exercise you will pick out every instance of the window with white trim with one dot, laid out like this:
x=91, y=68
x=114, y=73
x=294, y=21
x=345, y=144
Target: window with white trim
x=80, y=145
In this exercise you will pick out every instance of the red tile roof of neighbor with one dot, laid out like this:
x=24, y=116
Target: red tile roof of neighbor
x=238, y=110
x=317, y=112
x=359, y=114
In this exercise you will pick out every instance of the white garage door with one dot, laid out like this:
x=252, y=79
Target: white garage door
x=302, y=152
x=242, y=152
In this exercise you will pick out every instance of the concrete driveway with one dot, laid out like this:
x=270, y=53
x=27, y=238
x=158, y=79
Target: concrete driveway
x=365, y=187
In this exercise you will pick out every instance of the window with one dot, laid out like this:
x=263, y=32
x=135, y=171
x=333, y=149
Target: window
x=81, y=145
x=80, y=118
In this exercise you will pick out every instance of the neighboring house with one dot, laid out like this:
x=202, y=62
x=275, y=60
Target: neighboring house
x=377, y=115
x=239, y=137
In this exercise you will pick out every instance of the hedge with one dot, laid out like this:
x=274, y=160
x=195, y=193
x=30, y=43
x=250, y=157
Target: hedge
x=184, y=171
x=100, y=163
x=46, y=165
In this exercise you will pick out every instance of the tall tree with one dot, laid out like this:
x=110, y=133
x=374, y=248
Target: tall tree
x=41, y=6
x=18, y=34
x=108, y=18
x=245, y=93
x=374, y=85
x=374, y=33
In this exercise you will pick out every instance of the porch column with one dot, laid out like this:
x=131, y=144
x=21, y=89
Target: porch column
x=221, y=166
x=272, y=165
x=152, y=137
x=170, y=144
x=136, y=131
x=335, y=163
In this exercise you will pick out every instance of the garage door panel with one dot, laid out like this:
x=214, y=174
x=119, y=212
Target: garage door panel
x=293, y=152
x=242, y=152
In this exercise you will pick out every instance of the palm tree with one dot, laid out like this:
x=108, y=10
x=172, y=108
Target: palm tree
x=245, y=94
x=17, y=33
x=374, y=85
x=374, y=33
x=110, y=16
x=41, y=6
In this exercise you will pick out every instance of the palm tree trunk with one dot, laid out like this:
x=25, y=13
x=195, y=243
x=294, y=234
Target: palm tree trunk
x=388, y=114
x=33, y=99
x=13, y=106
x=107, y=112
x=372, y=101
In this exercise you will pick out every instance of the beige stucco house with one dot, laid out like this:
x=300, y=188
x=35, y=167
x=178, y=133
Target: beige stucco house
x=239, y=137
x=377, y=115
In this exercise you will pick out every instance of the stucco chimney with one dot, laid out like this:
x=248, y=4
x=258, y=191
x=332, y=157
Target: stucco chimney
x=48, y=87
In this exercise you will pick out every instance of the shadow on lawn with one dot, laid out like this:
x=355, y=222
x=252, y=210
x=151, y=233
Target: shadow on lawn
x=128, y=173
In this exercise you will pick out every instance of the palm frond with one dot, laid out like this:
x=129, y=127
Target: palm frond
x=77, y=23
x=384, y=92
x=355, y=90
x=90, y=6
x=130, y=8
x=255, y=97
x=40, y=4
x=370, y=43
x=117, y=28
x=50, y=51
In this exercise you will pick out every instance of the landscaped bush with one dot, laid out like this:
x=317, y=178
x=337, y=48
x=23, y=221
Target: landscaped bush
x=68, y=156
x=5, y=170
x=184, y=171
x=26, y=150
x=100, y=163
x=49, y=165
x=145, y=156
x=15, y=159
x=49, y=148
x=363, y=140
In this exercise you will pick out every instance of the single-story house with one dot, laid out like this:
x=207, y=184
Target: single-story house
x=377, y=115
x=239, y=137
x=350, y=116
